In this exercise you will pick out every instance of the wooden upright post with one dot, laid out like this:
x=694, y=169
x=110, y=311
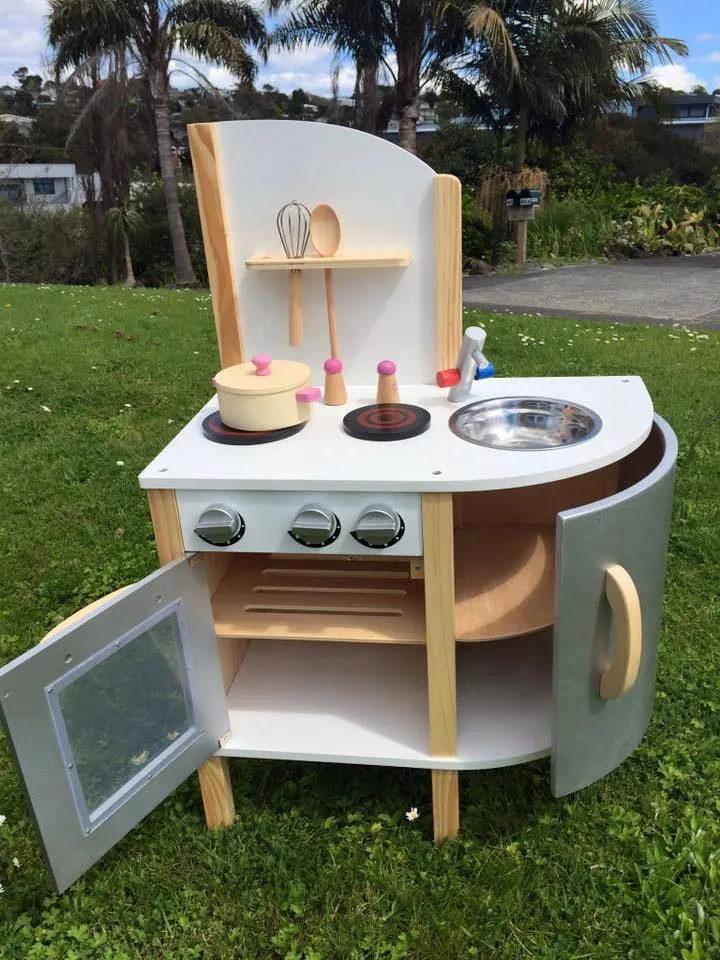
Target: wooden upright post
x=521, y=228
x=214, y=775
x=448, y=269
x=437, y=514
x=221, y=274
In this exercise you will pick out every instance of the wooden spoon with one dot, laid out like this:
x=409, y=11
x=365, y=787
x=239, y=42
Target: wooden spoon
x=325, y=236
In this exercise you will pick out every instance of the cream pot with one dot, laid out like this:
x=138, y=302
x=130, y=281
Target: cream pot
x=265, y=394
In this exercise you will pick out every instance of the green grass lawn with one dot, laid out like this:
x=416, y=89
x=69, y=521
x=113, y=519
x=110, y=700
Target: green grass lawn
x=322, y=862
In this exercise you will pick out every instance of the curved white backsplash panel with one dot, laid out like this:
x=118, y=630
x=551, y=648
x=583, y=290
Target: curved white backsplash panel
x=383, y=197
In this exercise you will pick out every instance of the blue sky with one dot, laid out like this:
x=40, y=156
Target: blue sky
x=697, y=22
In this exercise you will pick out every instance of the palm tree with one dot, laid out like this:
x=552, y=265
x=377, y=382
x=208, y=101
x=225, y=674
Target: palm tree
x=152, y=31
x=408, y=38
x=563, y=61
x=122, y=222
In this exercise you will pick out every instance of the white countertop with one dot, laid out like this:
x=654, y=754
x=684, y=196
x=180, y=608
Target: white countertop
x=323, y=457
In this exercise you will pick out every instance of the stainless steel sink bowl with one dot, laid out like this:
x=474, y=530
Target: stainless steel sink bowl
x=524, y=423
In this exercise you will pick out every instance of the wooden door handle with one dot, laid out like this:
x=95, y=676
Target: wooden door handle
x=624, y=601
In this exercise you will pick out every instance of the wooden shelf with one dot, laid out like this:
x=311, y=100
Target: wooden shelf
x=504, y=580
x=303, y=700
x=388, y=258
x=327, y=599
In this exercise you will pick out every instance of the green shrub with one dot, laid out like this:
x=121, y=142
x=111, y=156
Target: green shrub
x=461, y=150
x=651, y=231
x=151, y=246
x=569, y=228
x=42, y=246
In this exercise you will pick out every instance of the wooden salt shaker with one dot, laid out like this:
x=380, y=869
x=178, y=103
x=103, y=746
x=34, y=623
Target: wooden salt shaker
x=387, y=388
x=335, y=393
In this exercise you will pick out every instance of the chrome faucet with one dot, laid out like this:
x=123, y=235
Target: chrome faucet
x=471, y=361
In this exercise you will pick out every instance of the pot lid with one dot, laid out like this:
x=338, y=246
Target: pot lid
x=262, y=375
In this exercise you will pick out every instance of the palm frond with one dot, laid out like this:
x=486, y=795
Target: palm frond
x=78, y=29
x=489, y=23
x=206, y=40
x=237, y=17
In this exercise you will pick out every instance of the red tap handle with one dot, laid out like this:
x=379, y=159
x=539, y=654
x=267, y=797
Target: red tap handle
x=447, y=378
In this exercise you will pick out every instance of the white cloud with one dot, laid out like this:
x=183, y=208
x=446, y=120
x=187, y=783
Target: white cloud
x=706, y=37
x=713, y=57
x=675, y=75
x=22, y=37
x=312, y=82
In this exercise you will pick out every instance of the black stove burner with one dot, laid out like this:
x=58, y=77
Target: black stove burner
x=214, y=429
x=386, y=421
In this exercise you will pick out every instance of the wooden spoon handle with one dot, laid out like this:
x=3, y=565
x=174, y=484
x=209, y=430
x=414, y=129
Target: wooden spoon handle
x=332, y=320
x=296, y=318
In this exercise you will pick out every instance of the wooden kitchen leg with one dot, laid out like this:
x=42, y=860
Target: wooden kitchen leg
x=446, y=804
x=214, y=775
x=217, y=795
x=437, y=510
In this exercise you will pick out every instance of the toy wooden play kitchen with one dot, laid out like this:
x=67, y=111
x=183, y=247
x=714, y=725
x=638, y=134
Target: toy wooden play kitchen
x=482, y=590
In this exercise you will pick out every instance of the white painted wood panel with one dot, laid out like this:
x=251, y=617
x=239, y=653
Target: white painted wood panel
x=350, y=703
x=383, y=197
x=324, y=457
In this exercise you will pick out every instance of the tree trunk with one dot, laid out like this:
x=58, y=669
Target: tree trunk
x=521, y=141
x=183, y=266
x=408, y=128
x=129, y=272
x=366, y=97
x=411, y=37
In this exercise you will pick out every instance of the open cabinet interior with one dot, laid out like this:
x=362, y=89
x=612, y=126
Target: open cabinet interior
x=323, y=657
x=505, y=546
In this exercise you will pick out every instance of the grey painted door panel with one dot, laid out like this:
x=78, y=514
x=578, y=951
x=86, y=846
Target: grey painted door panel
x=592, y=736
x=110, y=716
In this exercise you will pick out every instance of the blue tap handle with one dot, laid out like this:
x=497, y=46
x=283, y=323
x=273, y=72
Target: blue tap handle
x=488, y=371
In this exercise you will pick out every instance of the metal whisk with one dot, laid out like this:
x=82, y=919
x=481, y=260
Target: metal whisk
x=293, y=223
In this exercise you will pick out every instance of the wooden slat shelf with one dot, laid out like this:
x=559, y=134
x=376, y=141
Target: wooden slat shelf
x=327, y=599
x=389, y=258
x=504, y=587
x=504, y=580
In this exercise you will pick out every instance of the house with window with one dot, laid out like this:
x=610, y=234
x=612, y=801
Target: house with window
x=52, y=185
x=689, y=114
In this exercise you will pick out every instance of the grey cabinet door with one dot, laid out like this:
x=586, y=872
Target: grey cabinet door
x=114, y=712
x=592, y=735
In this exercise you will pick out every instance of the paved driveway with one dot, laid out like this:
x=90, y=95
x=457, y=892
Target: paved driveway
x=660, y=291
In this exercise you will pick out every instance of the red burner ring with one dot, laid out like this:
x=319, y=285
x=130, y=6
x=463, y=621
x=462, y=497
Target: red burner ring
x=386, y=421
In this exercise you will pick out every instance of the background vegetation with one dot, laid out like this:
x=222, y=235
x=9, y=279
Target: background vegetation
x=516, y=84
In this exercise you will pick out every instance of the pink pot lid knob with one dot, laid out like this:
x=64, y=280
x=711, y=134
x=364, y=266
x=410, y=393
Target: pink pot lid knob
x=262, y=364
x=308, y=394
x=333, y=365
x=386, y=367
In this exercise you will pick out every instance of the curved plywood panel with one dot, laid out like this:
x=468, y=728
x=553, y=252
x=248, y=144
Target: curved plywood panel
x=384, y=199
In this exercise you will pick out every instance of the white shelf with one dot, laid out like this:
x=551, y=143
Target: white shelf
x=351, y=703
x=504, y=701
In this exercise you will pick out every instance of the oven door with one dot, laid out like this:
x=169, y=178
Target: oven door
x=113, y=712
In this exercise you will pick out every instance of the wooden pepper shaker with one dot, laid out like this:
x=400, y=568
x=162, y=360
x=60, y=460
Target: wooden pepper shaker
x=387, y=388
x=335, y=392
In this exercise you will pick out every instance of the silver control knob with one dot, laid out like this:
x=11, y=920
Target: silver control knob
x=378, y=527
x=315, y=526
x=220, y=525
